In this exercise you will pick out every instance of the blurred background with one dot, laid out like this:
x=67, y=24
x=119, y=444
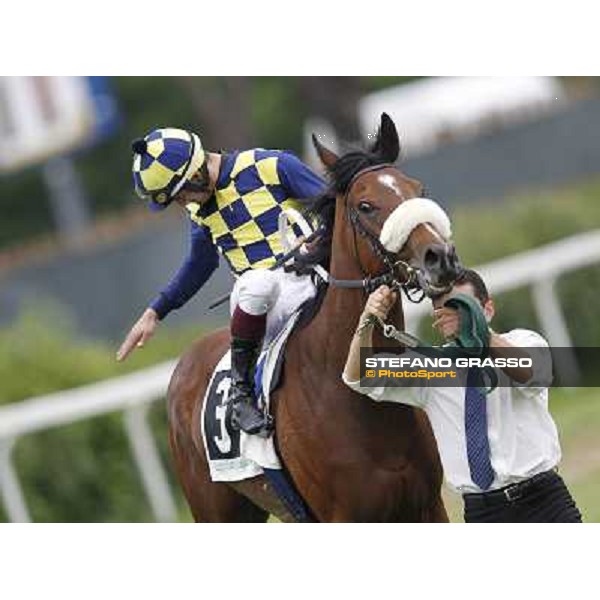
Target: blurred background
x=516, y=161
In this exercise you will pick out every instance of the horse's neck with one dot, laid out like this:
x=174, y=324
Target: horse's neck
x=335, y=324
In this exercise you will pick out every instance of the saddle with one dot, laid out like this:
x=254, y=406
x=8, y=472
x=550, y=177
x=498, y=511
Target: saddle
x=234, y=455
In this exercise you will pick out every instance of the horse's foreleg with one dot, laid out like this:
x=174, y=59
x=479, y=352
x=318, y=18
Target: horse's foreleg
x=437, y=513
x=208, y=501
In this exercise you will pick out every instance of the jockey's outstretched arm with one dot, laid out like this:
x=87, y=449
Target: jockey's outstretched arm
x=199, y=265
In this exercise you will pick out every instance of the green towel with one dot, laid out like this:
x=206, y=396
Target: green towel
x=474, y=334
x=473, y=339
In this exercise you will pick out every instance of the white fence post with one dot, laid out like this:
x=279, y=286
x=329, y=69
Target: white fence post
x=149, y=464
x=551, y=317
x=10, y=488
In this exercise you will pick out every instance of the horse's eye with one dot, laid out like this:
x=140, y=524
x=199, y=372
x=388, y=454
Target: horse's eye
x=365, y=207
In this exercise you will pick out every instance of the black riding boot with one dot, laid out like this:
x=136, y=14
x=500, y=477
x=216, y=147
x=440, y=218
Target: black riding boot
x=245, y=414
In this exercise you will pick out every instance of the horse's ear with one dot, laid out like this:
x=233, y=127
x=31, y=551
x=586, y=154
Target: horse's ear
x=387, y=144
x=327, y=156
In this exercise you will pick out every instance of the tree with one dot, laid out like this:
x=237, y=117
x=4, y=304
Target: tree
x=222, y=106
x=334, y=99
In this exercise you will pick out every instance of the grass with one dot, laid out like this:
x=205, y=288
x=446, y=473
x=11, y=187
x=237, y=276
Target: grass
x=41, y=353
x=489, y=231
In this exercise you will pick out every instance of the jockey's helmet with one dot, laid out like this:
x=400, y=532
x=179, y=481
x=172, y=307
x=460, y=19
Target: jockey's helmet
x=163, y=161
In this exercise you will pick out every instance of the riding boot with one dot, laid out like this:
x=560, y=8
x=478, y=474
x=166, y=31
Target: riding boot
x=245, y=414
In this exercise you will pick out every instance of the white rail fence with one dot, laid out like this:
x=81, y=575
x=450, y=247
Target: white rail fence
x=130, y=394
x=133, y=394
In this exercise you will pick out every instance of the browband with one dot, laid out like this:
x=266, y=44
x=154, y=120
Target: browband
x=366, y=170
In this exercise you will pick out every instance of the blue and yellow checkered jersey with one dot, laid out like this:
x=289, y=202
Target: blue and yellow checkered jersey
x=242, y=215
x=240, y=221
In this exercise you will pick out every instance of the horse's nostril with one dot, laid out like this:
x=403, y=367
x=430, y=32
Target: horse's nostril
x=432, y=258
x=453, y=261
x=442, y=263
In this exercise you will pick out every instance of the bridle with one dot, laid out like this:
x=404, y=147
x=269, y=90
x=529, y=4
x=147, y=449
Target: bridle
x=397, y=274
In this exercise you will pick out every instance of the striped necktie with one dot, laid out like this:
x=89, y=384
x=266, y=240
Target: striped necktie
x=478, y=445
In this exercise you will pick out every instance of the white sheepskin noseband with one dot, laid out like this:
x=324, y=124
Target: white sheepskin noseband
x=410, y=213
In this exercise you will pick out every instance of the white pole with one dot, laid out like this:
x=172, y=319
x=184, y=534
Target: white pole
x=550, y=316
x=67, y=197
x=10, y=488
x=149, y=464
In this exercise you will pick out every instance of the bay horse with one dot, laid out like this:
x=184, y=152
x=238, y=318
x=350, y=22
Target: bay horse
x=349, y=458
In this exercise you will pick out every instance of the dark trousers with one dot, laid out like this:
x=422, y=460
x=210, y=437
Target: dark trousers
x=543, y=499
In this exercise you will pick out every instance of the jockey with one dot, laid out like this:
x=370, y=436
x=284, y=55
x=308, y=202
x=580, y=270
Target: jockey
x=233, y=201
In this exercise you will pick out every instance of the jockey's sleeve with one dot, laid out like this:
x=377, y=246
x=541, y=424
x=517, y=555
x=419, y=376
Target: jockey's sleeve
x=199, y=265
x=300, y=181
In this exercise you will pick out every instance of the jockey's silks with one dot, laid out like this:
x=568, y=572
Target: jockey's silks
x=240, y=221
x=242, y=215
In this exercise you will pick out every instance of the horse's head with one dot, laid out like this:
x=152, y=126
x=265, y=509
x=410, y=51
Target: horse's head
x=382, y=217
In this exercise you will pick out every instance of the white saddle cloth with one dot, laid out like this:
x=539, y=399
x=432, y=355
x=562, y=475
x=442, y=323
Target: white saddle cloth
x=234, y=455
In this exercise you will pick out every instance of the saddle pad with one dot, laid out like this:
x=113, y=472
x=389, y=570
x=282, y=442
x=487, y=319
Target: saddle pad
x=234, y=455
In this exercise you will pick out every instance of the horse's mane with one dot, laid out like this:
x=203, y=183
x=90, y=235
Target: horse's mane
x=321, y=210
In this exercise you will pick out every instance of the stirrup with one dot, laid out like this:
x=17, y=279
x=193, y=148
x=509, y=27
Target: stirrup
x=250, y=419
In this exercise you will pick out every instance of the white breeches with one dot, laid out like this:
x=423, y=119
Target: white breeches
x=276, y=293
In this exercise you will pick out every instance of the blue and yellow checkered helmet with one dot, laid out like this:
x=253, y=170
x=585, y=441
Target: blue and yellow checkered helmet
x=163, y=162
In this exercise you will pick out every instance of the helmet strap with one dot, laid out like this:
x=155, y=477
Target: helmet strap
x=199, y=186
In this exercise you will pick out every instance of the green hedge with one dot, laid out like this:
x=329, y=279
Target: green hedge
x=486, y=232
x=83, y=471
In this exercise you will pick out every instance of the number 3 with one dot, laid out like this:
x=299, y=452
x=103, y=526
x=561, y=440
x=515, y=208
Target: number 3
x=223, y=441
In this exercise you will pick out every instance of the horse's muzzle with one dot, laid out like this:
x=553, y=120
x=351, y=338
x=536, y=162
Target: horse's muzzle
x=441, y=264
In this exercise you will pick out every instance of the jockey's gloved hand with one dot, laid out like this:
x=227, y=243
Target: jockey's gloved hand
x=299, y=267
x=304, y=261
